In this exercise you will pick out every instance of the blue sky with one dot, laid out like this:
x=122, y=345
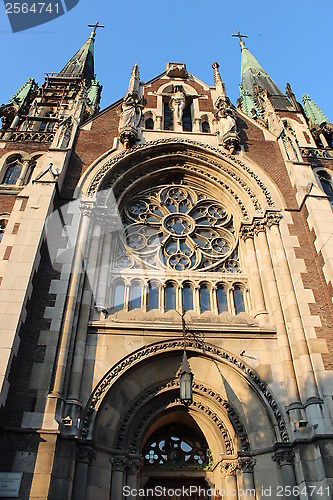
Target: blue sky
x=293, y=42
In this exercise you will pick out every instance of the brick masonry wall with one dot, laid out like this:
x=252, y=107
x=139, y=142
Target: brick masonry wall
x=7, y=202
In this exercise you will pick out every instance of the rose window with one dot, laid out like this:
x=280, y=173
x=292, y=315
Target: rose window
x=180, y=229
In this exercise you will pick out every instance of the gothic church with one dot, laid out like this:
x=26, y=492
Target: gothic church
x=166, y=270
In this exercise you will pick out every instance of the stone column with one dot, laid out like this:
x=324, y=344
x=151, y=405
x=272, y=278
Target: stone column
x=273, y=299
x=258, y=302
x=285, y=458
x=118, y=464
x=228, y=470
x=286, y=286
x=104, y=270
x=81, y=334
x=134, y=466
x=23, y=174
x=245, y=478
x=72, y=293
x=84, y=457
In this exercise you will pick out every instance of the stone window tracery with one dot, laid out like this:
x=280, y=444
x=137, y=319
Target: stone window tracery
x=176, y=446
x=176, y=228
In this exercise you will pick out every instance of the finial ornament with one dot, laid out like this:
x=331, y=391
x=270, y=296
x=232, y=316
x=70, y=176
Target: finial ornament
x=241, y=41
x=95, y=26
x=218, y=80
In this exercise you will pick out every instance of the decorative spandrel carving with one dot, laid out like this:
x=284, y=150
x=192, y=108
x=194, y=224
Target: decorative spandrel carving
x=180, y=229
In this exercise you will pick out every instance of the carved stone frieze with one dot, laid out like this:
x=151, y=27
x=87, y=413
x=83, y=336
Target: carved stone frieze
x=229, y=468
x=118, y=463
x=170, y=345
x=260, y=225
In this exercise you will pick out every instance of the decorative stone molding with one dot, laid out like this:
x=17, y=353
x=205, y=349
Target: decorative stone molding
x=85, y=455
x=29, y=136
x=284, y=457
x=146, y=148
x=118, y=463
x=229, y=468
x=246, y=464
x=197, y=346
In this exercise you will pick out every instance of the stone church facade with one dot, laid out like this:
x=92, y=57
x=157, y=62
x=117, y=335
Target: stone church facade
x=170, y=234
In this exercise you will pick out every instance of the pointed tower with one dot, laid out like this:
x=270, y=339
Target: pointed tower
x=254, y=80
x=313, y=113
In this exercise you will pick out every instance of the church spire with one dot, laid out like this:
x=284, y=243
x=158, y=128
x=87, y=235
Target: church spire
x=313, y=113
x=81, y=65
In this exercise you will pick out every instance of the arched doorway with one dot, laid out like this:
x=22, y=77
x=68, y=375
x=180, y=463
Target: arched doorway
x=176, y=459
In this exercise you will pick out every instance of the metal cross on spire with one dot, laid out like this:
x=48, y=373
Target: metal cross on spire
x=95, y=26
x=240, y=37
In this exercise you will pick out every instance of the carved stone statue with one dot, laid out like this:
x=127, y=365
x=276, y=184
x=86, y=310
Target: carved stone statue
x=226, y=122
x=178, y=103
x=130, y=114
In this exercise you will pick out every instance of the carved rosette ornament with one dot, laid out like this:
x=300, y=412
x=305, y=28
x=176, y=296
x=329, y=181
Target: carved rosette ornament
x=229, y=468
x=284, y=457
x=85, y=455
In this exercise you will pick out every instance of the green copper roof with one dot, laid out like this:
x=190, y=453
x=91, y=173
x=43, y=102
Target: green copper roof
x=248, y=103
x=82, y=63
x=313, y=113
x=94, y=93
x=20, y=96
x=252, y=75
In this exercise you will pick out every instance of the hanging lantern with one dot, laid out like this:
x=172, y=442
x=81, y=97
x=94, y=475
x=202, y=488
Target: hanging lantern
x=186, y=377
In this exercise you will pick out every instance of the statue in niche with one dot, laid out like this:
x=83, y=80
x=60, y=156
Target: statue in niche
x=177, y=103
x=226, y=123
x=130, y=111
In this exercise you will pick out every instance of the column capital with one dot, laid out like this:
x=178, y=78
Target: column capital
x=229, y=468
x=134, y=466
x=85, y=455
x=273, y=219
x=86, y=208
x=246, y=232
x=284, y=457
x=246, y=464
x=118, y=463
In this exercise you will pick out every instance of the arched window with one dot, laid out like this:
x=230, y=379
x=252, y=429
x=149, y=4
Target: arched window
x=31, y=170
x=187, y=298
x=205, y=127
x=46, y=125
x=152, y=299
x=187, y=119
x=135, y=297
x=149, y=124
x=170, y=297
x=168, y=117
x=326, y=183
x=2, y=228
x=222, y=303
x=119, y=292
x=204, y=299
x=12, y=174
x=238, y=300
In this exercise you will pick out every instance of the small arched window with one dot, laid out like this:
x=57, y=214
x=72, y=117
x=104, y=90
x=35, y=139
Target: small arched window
x=187, y=298
x=326, y=183
x=119, y=292
x=187, y=119
x=204, y=299
x=12, y=174
x=46, y=125
x=149, y=124
x=2, y=228
x=222, y=303
x=152, y=299
x=31, y=170
x=168, y=117
x=239, y=300
x=170, y=297
x=205, y=127
x=135, y=297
